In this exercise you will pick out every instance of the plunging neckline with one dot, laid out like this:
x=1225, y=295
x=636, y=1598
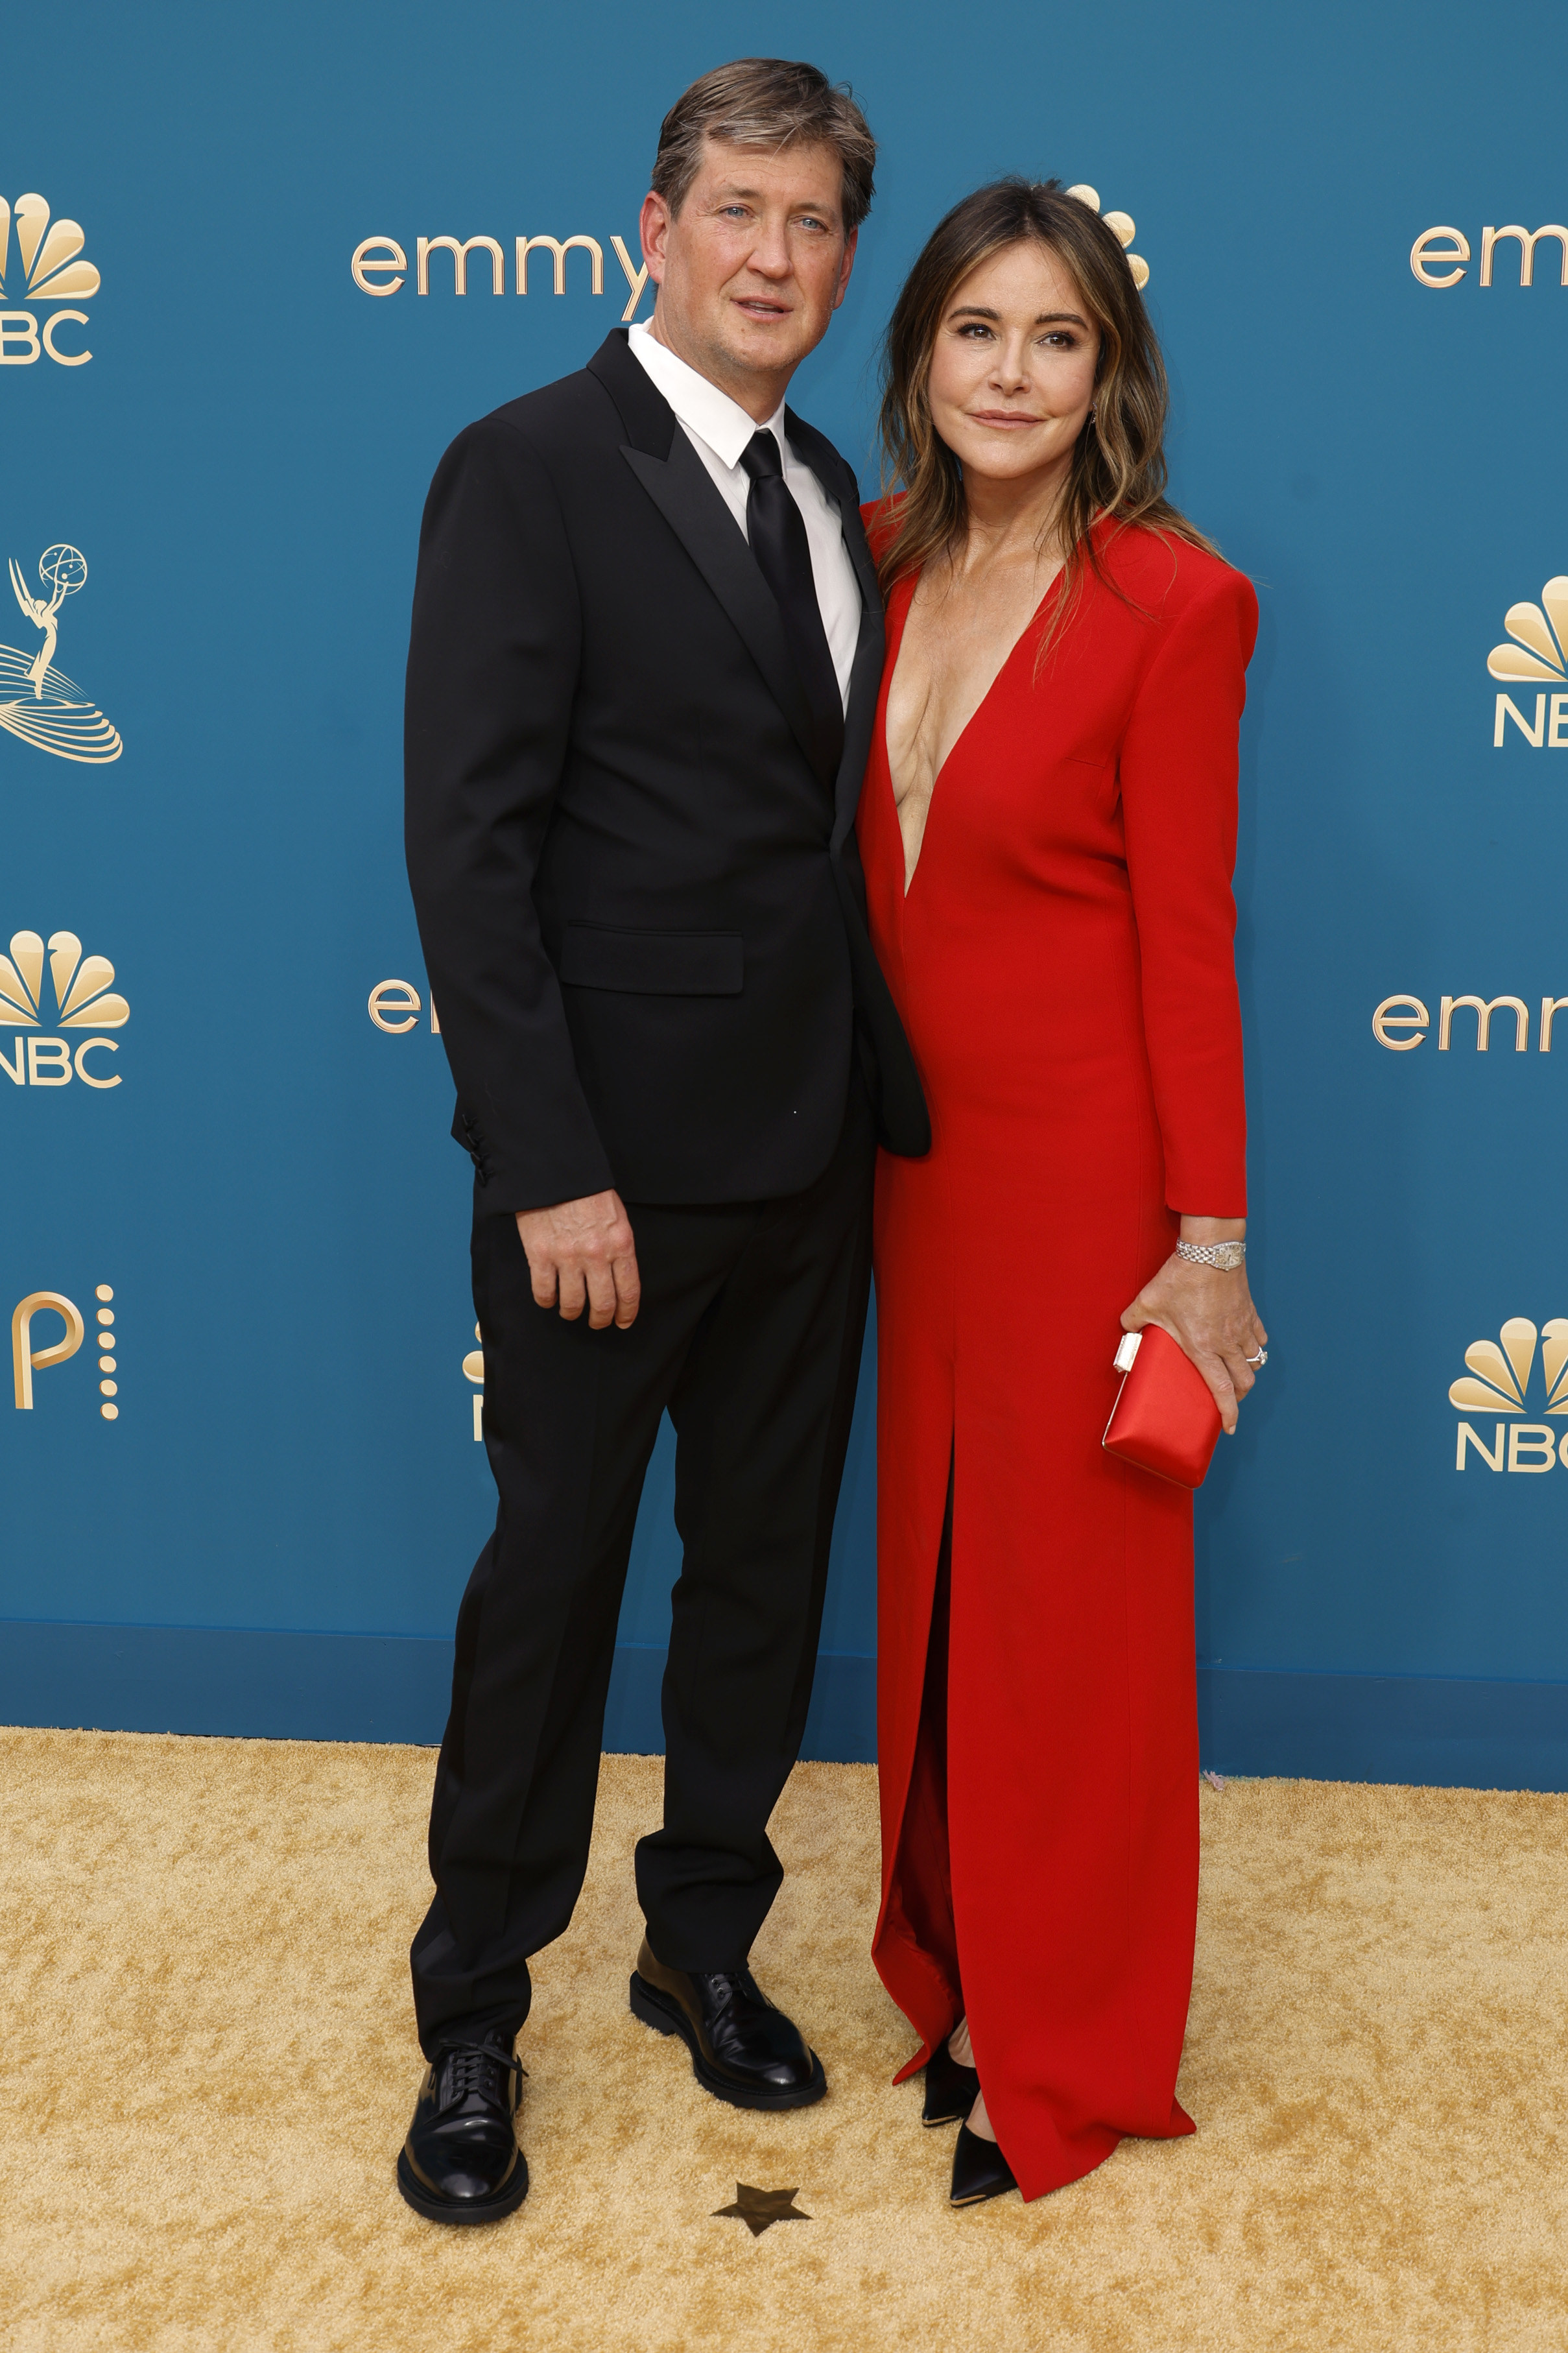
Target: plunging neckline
x=952, y=748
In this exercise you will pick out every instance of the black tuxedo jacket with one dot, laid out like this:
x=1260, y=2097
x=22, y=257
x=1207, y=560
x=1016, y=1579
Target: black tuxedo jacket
x=641, y=905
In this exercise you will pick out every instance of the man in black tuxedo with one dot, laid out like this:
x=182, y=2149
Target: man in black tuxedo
x=647, y=648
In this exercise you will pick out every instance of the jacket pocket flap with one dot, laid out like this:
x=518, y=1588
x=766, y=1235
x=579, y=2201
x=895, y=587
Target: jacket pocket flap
x=653, y=963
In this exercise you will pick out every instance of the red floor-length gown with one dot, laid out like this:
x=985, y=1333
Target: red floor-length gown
x=1064, y=964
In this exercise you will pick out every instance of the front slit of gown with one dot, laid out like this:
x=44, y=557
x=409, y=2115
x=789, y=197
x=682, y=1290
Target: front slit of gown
x=922, y=1873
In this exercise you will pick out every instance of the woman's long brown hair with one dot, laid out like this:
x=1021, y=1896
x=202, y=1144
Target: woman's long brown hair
x=1118, y=467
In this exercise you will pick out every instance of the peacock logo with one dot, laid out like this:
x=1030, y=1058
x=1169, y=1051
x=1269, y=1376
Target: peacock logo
x=46, y=264
x=1538, y=638
x=83, y=998
x=1122, y=228
x=1501, y=1374
x=1536, y=650
x=38, y=702
x=1498, y=1381
x=41, y=260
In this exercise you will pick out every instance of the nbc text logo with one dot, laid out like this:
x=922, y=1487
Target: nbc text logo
x=37, y=701
x=41, y=262
x=1499, y=1383
x=28, y=1358
x=83, y=1000
x=378, y=265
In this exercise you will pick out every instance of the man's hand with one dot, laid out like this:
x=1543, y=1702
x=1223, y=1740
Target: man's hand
x=584, y=1250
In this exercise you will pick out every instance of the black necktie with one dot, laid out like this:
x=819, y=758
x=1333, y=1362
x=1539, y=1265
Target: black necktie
x=776, y=529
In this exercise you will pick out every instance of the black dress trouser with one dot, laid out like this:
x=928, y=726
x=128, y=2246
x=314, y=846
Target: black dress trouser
x=749, y=1332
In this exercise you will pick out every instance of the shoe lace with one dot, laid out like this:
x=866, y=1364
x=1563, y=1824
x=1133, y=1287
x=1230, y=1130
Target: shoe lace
x=468, y=2068
x=728, y=1984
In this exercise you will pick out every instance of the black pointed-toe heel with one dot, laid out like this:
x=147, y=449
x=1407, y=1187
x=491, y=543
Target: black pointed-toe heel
x=979, y=2170
x=950, y=2090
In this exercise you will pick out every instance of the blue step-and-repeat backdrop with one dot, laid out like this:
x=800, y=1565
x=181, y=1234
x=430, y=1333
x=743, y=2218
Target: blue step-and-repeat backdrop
x=258, y=266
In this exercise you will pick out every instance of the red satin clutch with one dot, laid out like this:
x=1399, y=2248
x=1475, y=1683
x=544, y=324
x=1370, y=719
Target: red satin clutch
x=1164, y=1419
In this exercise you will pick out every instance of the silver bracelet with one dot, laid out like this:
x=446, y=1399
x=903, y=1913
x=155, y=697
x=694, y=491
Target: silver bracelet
x=1227, y=1256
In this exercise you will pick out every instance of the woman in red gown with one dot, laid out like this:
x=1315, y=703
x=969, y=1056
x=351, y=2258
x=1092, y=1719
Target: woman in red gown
x=1047, y=828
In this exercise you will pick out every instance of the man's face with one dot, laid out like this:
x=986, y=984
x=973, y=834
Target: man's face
x=753, y=268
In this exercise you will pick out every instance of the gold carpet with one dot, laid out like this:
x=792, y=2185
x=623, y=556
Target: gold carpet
x=208, y=2066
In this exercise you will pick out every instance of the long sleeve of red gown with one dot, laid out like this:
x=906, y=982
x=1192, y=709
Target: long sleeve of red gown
x=1179, y=809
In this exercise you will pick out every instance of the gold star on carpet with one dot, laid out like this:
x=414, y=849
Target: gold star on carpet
x=759, y=2209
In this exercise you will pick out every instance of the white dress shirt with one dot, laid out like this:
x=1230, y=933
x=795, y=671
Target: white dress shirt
x=719, y=429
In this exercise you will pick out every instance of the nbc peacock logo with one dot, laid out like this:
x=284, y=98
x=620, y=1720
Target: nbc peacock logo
x=42, y=261
x=1499, y=1383
x=1537, y=649
x=82, y=998
x=38, y=702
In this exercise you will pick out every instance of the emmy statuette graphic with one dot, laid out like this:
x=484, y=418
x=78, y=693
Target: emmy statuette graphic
x=37, y=701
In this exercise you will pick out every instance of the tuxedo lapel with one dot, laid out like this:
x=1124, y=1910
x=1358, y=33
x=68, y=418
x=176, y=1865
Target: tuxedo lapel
x=646, y=416
x=677, y=482
x=681, y=487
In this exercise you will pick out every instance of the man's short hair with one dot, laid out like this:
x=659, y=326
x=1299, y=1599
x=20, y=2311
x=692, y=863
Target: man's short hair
x=767, y=102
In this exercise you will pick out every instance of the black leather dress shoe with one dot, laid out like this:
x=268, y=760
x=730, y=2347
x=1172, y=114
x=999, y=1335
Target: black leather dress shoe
x=950, y=2090
x=461, y=2162
x=743, y=2049
x=979, y=2170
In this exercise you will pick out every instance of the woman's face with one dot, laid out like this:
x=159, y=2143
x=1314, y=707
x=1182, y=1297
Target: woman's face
x=1012, y=373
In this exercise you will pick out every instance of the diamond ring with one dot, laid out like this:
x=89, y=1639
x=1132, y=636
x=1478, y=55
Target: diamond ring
x=1261, y=1358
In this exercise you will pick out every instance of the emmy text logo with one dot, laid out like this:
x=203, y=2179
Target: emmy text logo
x=1403, y=1023
x=37, y=701
x=1538, y=634
x=1440, y=257
x=1499, y=1383
x=474, y=1370
x=34, y=1352
x=380, y=265
x=395, y=1006
x=80, y=998
x=41, y=263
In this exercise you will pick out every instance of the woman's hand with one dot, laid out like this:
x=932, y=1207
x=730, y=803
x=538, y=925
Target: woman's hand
x=1210, y=1314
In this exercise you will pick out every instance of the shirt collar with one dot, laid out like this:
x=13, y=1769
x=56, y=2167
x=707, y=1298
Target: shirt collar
x=719, y=421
